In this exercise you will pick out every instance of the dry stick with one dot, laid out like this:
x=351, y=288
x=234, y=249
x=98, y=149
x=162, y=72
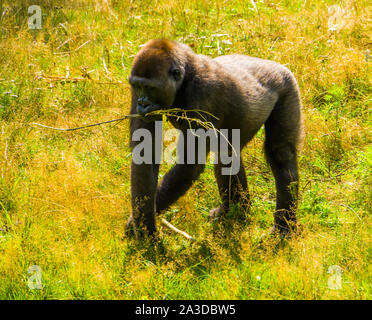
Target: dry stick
x=59, y=47
x=75, y=79
x=61, y=78
x=254, y=5
x=104, y=61
x=87, y=126
x=168, y=113
x=183, y=233
x=68, y=52
x=133, y=116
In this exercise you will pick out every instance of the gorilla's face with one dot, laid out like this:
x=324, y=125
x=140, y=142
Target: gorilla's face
x=155, y=79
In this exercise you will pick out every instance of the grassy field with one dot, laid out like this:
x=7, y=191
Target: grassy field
x=65, y=197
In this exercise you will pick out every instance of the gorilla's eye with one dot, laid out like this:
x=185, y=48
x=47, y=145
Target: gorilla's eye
x=176, y=73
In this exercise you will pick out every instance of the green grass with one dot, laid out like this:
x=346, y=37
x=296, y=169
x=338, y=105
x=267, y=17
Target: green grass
x=65, y=197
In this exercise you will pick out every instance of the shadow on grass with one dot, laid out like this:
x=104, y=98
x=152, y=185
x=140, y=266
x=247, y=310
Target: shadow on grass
x=223, y=239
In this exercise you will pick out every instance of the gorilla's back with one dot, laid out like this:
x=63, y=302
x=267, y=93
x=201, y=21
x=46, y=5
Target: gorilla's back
x=267, y=73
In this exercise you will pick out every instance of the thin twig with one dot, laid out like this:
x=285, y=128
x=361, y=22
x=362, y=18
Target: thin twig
x=167, y=112
x=75, y=79
x=352, y=210
x=170, y=111
x=87, y=126
x=68, y=52
x=103, y=59
x=254, y=5
x=6, y=151
x=272, y=46
x=183, y=233
x=59, y=47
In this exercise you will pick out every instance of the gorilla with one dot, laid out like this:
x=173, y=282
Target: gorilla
x=241, y=92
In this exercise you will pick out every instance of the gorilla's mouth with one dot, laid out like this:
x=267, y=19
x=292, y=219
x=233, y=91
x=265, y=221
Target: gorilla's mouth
x=145, y=110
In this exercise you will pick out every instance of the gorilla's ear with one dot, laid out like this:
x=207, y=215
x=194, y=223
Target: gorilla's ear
x=175, y=73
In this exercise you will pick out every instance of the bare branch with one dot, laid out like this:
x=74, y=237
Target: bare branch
x=183, y=233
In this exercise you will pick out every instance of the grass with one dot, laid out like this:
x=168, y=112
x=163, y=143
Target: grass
x=65, y=196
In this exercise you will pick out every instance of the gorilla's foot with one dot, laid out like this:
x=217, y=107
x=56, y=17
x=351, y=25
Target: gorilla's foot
x=218, y=213
x=287, y=231
x=130, y=230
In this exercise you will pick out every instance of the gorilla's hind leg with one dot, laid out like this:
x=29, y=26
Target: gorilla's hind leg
x=283, y=132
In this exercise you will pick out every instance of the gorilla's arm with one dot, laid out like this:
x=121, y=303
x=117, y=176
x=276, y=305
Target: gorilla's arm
x=144, y=180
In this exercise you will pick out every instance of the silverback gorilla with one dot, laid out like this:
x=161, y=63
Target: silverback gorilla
x=243, y=93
